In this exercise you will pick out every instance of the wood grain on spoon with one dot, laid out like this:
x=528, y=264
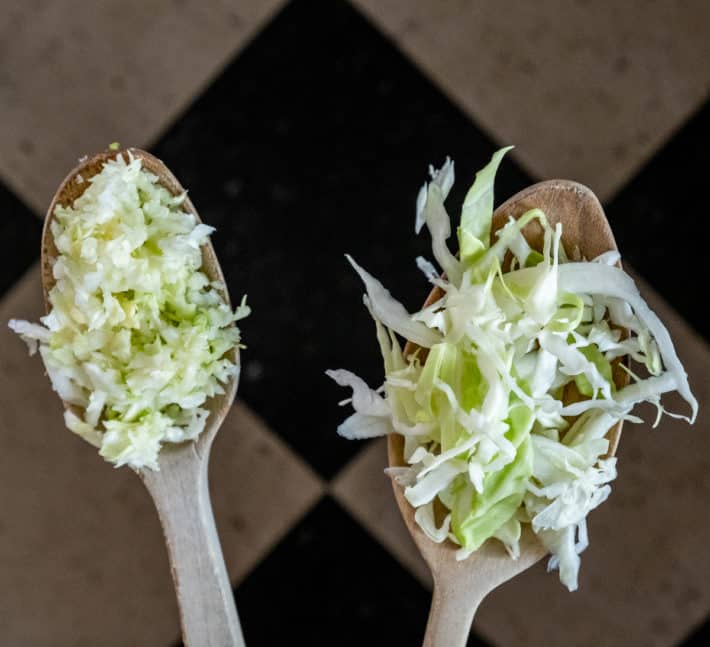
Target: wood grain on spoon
x=179, y=490
x=459, y=587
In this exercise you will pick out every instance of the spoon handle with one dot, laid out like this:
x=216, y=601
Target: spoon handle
x=451, y=615
x=208, y=614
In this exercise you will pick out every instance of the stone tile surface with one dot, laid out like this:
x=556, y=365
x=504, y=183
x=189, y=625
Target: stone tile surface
x=586, y=90
x=260, y=489
x=81, y=550
x=77, y=76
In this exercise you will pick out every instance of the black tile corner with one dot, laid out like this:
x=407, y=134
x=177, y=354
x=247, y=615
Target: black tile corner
x=330, y=583
x=312, y=143
x=661, y=223
x=21, y=232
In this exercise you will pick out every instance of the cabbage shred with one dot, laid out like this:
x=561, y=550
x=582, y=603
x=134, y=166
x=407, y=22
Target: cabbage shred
x=138, y=337
x=488, y=438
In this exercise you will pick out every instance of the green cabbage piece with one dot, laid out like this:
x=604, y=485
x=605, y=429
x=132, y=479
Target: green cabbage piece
x=476, y=516
x=488, y=439
x=138, y=338
x=475, y=229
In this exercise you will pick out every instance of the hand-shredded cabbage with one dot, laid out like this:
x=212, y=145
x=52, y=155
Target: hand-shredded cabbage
x=488, y=439
x=137, y=338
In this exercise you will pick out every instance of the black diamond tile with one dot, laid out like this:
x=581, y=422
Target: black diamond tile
x=21, y=233
x=312, y=143
x=660, y=220
x=329, y=583
x=700, y=637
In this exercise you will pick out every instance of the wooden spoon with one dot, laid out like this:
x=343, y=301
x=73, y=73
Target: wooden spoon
x=459, y=587
x=208, y=615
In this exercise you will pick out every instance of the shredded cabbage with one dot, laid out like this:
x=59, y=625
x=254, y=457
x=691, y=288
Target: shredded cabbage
x=489, y=439
x=138, y=337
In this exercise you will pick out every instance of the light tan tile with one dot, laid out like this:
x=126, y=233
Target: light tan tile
x=78, y=75
x=586, y=90
x=365, y=491
x=260, y=489
x=81, y=551
x=644, y=578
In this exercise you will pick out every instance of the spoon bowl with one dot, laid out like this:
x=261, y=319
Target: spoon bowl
x=460, y=586
x=179, y=489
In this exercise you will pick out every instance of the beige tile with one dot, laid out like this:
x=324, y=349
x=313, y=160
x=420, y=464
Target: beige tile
x=78, y=75
x=81, y=552
x=260, y=489
x=644, y=578
x=586, y=90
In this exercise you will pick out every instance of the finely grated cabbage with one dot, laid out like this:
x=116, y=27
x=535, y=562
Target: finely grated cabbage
x=487, y=436
x=138, y=337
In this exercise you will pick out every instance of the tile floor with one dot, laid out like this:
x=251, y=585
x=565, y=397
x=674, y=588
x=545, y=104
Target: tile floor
x=303, y=130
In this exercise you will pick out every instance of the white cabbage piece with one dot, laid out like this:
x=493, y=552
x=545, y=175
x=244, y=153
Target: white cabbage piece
x=137, y=337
